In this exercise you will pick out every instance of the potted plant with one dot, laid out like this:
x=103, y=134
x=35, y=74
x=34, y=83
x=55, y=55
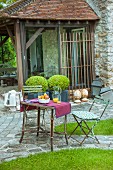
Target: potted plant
x=37, y=80
x=61, y=82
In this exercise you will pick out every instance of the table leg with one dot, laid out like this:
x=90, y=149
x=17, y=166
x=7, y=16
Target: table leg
x=65, y=129
x=38, y=121
x=51, y=132
x=23, y=125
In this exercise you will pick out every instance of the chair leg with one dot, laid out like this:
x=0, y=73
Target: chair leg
x=87, y=134
x=79, y=124
x=90, y=131
x=74, y=130
x=43, y=118
x=65, y=129
x=23, y=126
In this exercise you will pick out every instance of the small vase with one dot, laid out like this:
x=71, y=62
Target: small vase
x=77, y=96
x=56, y=94
x=84, y=95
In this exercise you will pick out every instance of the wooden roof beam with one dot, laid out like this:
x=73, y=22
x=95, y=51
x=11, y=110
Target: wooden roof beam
x=32, y=39
x=4, y=40
x=11, y=36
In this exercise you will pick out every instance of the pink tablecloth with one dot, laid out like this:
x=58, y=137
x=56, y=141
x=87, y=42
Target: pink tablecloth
x=61, y=109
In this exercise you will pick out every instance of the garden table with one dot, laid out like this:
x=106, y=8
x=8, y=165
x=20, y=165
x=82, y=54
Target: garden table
x=56, y=109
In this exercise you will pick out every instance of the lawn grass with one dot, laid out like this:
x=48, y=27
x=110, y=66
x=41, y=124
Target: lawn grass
x=104, y=127
x=75, y=159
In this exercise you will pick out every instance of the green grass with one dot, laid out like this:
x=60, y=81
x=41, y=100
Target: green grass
x=104, y=127
x=76, y=159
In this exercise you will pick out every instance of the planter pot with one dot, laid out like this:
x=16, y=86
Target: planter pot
x=32, y=95
x=64, y=95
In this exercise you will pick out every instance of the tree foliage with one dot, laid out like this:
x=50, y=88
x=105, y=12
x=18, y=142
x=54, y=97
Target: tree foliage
x=4, y=3
x=7, y=52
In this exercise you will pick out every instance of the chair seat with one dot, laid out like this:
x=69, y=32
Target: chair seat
x=85, y=115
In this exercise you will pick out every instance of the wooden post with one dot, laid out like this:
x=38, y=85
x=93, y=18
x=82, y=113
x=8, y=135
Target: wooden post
x=59, y=48
x=18, y=55
x=23, y=50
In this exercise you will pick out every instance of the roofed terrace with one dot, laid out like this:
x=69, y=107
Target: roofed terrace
x=19, y=17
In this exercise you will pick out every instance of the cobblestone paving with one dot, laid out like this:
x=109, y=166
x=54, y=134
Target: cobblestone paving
x=10, y=131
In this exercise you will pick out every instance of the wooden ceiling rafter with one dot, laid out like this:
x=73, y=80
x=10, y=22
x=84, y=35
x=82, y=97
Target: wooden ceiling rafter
x=4, y=23
x=51, y=23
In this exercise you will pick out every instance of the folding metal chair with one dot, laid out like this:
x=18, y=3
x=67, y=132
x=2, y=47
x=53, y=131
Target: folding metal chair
x=83, y=117
x=31, y=92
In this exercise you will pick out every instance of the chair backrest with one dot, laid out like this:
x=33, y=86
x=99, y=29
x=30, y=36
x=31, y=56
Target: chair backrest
x=101, y=101
x=26, y=90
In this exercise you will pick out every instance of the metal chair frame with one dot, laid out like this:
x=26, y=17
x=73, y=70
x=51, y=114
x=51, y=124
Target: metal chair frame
x=33, y=90
x=87, y=116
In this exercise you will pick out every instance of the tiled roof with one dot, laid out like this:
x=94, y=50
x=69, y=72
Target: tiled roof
x=50, y=10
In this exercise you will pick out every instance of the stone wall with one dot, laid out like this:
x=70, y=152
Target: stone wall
x=104, y=40
x=50, y=52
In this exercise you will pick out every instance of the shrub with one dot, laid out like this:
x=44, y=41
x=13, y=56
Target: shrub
x=58, y=80
x=37, y=80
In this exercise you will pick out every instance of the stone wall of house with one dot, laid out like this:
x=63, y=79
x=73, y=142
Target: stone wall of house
x=50, y=52
x=104, y=40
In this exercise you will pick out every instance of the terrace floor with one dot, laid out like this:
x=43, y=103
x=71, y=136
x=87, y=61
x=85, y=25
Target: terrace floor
x=10, y=131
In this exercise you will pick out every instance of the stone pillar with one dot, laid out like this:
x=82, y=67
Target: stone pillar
x=104, y=41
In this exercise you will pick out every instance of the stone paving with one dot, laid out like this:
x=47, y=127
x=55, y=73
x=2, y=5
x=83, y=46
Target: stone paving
x=10, y=131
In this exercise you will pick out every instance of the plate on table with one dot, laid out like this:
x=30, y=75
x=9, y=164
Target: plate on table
x=33, y=100
x=44, y=100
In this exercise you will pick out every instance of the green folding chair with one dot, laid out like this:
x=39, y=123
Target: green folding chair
x=82, y=118
x=31, y=92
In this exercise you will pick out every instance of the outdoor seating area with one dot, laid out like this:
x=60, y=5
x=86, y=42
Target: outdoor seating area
x=32, y=129
x=57, y=110
x=56, y=84
x=54, y=141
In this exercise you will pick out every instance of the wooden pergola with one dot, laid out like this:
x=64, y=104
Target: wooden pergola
x=41, y=15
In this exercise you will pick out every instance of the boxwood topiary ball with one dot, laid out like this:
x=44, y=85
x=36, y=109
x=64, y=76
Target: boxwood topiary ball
x=37, y=80
x=58, y=80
